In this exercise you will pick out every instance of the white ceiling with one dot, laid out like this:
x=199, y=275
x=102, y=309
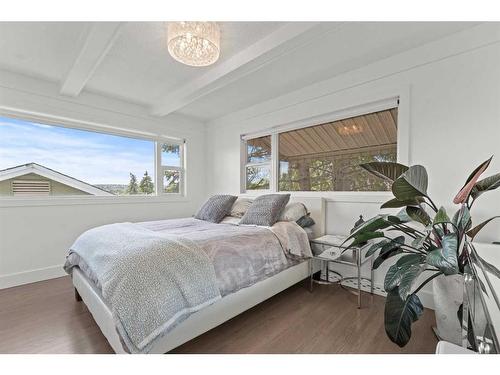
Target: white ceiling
x=259, y=60
x=138, y=67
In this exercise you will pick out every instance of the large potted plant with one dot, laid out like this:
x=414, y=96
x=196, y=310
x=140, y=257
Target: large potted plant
x=430, y=245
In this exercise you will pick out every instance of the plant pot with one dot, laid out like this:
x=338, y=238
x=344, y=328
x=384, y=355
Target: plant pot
x=448, y=292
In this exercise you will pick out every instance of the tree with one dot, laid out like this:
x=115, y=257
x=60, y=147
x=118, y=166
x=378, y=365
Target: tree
x=132, y=187
x=172, y=149
x=171, y=184
x=146, y=185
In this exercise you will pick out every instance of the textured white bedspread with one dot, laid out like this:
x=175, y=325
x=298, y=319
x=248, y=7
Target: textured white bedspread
x=241, y=255
x=151, y=281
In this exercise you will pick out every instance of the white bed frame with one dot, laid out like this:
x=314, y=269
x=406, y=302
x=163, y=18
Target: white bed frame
x=213, y=315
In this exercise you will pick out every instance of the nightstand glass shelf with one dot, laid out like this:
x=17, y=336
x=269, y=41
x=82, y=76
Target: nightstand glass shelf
x=330, y=249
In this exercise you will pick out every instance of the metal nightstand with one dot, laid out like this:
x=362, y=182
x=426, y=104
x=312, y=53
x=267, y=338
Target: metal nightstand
x=327, y=249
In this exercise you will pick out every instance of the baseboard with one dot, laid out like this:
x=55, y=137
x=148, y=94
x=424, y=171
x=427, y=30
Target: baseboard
x=32, y=276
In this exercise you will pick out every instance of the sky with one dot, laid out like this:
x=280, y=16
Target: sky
x=88, y=156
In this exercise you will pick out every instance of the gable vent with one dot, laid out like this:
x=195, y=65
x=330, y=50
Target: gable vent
x=30, y=187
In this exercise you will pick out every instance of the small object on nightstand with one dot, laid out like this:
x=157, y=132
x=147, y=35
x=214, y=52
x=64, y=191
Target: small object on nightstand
x=357, y=224
x=360, y=221
x=331, y=249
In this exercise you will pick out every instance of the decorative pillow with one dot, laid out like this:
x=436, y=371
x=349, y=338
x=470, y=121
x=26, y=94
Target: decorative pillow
x=240, y=207
x=215, y=208
x=265, y=210
x=293, y=212
x=306, y=221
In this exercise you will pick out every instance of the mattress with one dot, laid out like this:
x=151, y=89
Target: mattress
x=241, y=255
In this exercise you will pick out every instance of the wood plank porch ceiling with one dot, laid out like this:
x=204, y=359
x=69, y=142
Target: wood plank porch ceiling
x=360, y=132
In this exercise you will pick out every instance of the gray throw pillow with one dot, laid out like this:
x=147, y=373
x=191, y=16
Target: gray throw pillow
x=216, y=208
x=306, y=221
x=265, y=210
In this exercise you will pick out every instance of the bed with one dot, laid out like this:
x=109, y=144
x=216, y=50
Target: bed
x=239, y=291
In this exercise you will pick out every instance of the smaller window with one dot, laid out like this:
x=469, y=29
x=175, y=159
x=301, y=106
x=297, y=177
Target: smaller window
x=258, y=163
x=172, y=168
x=258, y=177
x=171, y=155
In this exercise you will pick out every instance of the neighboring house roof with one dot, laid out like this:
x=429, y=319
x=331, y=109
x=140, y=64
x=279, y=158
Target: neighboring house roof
x=21, y=170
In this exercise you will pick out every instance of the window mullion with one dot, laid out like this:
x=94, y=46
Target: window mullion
x=259, y=164
x=159, y=170
x=274, y=162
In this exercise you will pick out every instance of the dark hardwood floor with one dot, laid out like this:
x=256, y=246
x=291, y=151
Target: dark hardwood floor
x=45, y=318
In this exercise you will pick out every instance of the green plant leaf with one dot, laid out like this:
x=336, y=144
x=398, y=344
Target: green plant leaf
x=371, y=226
x=418, y=242
x=445, y=258
x=373, y=248
x=403, y=216
x=488, y=267
x=383, y=257
x=386, y=170
x=441, y=217
x=392, y=244
x=411, y=184
x=375, y=223
x=486, y=184
x=399, y=316
x=464, y=222
x=396, y=203
x=418, y=214
x=474, y=231
x=365, y=236
x=410, y=259
x=403, y=276
x=409, y=276
x=393, y=277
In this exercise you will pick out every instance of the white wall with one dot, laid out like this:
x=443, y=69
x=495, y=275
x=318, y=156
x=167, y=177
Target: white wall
x=454, y=119
x=454, y=113
x=35, y=237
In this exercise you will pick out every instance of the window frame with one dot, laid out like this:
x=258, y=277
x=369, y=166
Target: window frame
x=158, y=196
x=247, y=164
x=399, y=101
x=160, y=169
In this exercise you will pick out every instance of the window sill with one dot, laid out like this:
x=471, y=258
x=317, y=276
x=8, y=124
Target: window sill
x=73, y=200
x=334, y=196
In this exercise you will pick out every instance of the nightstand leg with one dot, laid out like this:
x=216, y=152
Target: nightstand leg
x=358, y=259
x=371, y=276
x=311, y=261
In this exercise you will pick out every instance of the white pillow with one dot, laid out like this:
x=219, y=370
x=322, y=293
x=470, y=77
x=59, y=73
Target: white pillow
x=293, y=212
x=230, y=220
x=240, y=206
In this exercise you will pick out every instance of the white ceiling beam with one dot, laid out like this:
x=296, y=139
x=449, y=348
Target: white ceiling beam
x=100, y=39
x=254, y=57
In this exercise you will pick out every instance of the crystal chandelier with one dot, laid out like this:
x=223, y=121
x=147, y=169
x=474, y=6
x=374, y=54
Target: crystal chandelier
x=194, y=43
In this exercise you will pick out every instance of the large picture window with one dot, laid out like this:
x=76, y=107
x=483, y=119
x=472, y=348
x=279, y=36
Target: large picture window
x=38, y=159
x=325, y=157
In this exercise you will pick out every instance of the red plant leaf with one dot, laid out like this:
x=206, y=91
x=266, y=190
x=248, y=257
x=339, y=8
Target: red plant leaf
x=463, y=194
